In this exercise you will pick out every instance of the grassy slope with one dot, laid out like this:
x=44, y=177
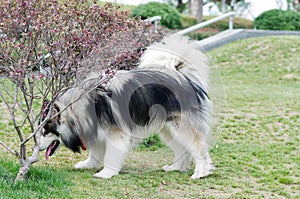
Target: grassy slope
x=261, y=130
x=257, y=153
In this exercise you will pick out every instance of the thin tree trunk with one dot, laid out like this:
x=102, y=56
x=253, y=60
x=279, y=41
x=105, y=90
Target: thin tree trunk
x=196, y=9
x=180, y=6
x=223, y=6
x=232, y=2
x=27, y=162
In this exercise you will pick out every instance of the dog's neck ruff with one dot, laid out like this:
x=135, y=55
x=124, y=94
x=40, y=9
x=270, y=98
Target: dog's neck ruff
x=81, y=135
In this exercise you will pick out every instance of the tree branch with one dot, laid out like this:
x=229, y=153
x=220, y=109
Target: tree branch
x=9, y=149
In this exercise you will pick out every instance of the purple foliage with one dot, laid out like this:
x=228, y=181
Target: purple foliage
x=80, y=37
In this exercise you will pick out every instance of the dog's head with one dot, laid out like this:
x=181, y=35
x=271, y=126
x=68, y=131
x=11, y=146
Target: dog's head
x=60, y=129
x=50, y=139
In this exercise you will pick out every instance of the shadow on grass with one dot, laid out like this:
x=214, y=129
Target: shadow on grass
x=41, y=182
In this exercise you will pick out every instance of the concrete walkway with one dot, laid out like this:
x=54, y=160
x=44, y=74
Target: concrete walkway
x=228, y=36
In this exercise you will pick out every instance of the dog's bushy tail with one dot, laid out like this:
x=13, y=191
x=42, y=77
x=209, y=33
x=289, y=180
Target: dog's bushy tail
x=179, y=53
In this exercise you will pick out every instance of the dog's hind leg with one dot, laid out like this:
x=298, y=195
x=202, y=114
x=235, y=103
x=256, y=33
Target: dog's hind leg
x=203, y=163
x=182, y=158
x=96, y=155
x=117, y=146
x=192, y=141
x=199, y=150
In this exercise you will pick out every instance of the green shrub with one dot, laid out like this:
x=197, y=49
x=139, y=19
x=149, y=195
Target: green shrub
x=188, y=21
x=238, y=23
x=170, y=17
x=199, y=35
x=278, y=20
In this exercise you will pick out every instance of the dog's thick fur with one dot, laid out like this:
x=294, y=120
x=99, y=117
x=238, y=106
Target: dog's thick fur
x=167, y=94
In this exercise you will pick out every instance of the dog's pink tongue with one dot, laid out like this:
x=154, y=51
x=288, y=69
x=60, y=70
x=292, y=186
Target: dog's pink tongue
x=49, y=149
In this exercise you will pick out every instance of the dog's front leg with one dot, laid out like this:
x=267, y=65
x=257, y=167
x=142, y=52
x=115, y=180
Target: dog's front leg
x=117, y=146
x=96, y=156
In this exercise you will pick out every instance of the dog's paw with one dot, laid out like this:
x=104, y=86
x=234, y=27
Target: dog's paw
x=169, y=168
x=182, y=168
x=201, y=174
x=106, y=173
x=86, y=165
x=203, y=168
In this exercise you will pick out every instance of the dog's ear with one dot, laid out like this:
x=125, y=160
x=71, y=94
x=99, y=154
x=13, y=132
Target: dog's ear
x=54, y=121
x=45, y=109
x=55, y=110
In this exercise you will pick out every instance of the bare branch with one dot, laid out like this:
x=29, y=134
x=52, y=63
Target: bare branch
x=5, y=101
x=9, y=149
x=13, y=116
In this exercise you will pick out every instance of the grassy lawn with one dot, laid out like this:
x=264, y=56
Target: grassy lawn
x=257, y=154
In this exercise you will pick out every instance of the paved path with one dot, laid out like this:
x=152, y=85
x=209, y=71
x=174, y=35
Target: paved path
x=228, y=36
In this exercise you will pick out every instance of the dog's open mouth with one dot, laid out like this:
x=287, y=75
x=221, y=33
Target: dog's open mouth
x=52, y=148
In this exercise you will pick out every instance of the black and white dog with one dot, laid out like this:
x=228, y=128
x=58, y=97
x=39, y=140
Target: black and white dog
x=166, y=94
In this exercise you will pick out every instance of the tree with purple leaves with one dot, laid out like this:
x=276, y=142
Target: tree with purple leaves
x=49, y=46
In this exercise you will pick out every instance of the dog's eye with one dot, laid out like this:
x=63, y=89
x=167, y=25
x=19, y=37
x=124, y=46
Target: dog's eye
x=45, y=133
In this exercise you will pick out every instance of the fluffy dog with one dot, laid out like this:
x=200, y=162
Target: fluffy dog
x=167, y=94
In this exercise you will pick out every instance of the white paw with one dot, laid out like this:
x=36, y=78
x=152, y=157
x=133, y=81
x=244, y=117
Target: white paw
x=203, y=168
x=106, y=173
x=182, y=168
x=168, y=168
x=201, y=174
x=86, y=165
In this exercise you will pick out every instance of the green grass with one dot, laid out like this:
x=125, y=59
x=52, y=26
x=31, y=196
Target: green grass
x=41, y=183
x=256, y=156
